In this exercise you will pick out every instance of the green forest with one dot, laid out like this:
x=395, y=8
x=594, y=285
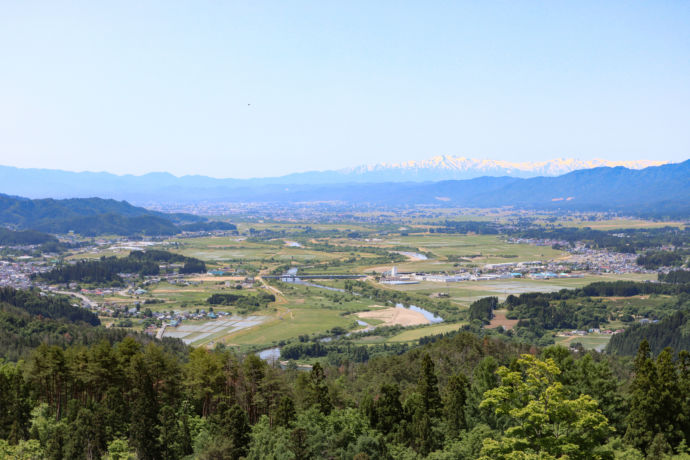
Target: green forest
x=79, y=391
x=106, y=270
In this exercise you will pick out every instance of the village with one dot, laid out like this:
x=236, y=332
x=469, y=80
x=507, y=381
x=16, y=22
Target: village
x=582, y=261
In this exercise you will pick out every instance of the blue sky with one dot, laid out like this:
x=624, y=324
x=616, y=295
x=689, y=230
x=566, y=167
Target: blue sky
x=246, y=89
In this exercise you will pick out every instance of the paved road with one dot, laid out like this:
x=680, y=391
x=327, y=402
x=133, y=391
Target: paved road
x=86, y=300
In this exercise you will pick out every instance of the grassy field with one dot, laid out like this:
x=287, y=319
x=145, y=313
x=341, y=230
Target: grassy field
x=303, y=310
x=480, y=249
x=243, y=227
x=465, y=292
x=589, y=342
x=416, y=334
x=615, y=224
x=233, y=249
x=292, y=323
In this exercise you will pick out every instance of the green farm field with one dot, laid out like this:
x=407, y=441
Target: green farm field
x=307, y=310
x=466, y=292
x=615, y=224
x=291, y=323
x=229, y=249
x=418, y=333
x=480, y=249
x=589, y=342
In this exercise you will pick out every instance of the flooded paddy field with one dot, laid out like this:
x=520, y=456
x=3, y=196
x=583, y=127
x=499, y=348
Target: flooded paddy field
x=197, y=333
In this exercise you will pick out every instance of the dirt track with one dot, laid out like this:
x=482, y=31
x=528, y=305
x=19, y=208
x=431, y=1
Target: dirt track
x=396, y=316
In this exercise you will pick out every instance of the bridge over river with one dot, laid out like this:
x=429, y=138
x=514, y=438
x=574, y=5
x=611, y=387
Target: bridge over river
x=292, y=276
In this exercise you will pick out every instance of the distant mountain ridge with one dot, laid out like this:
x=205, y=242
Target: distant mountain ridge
x=443, y=167
x=165, y=187
x=656, y=190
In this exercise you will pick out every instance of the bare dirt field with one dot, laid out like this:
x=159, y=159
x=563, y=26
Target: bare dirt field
x=500, y=319
x=395, y=316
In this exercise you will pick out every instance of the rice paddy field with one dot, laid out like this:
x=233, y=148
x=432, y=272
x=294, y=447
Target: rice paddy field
x=478, y=249
x=465, y=292
x=615, y=224
x=290, y=324
x=308, y=310
x=199, y=333
x=234, y=249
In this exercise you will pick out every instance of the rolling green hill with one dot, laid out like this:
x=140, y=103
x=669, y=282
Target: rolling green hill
x=96, y=216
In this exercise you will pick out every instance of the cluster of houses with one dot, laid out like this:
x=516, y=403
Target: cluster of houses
x=594, y=330
x=534, y=270
x=581, y=260
x=595, y=261
x=18, y=273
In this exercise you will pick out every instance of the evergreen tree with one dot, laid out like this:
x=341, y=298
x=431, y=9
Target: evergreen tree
x=389, y=411
x=428, y=387
x=643, y=404
x=317, y=390
x=484, y=378
x=427, y=413
x=15, y=410
x=684, y=389
x=455, y=402
x=299, y=444
x=669, y=398
x=229, y=427
x=144, y=429
x=285, y=413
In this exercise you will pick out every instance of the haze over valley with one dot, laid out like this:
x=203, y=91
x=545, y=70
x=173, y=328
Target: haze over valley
x=225, y=232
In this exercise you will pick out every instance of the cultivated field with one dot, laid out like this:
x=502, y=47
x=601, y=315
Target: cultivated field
x=500, y=320
x=199, y=333
x=416, y=334
x=395, y=316
x=308, y=310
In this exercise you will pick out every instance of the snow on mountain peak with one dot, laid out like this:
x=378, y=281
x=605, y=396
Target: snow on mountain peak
x=442, y=167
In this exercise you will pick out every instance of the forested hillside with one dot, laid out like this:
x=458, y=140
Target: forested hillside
x=24, y=237
x=96, y=216
x=673, y=331
x=28, y=319
x=106, y=270
x=459, y=397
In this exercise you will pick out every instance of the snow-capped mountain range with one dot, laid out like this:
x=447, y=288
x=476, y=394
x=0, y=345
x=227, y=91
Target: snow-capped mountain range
x=444, y=167
x=165, y=187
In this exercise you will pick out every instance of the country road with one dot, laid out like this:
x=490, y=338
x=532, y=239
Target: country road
x=88, y=301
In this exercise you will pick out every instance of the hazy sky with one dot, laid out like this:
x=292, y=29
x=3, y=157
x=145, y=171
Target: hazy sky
x=241, y=89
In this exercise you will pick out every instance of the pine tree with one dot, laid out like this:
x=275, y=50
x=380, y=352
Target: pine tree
x=318, y=390
x=285, y=413
x=389, y=411
x=668, y=398
x=238, y=425
x=428, y=388
x=644, y=405
x=484, y=378
x=144, y=430
x=427, y=414
x=683, y=365
x=456, y=400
